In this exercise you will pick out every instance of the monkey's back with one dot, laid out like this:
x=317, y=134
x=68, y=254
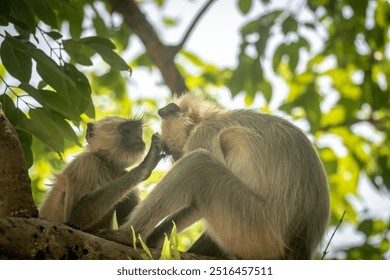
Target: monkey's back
x=86, y=173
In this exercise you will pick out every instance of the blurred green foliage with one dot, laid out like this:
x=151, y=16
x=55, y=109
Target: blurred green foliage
x=61, y=66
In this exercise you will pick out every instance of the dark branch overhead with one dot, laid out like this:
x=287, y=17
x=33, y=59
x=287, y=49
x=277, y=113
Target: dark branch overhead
x=161, y=54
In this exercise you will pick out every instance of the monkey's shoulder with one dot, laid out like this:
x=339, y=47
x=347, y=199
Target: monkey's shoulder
x=245, y=118
x=90, y=168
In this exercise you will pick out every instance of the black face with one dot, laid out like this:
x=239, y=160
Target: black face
x=131, y=132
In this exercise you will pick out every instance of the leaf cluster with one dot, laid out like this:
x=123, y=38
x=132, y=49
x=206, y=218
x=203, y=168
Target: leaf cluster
x=45, y=94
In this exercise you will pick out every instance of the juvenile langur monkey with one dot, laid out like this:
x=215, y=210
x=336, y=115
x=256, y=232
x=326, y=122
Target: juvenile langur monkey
x=254, y=179
x=95, y=184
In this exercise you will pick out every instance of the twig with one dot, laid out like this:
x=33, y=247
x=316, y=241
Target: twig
x=325, y=252
x=192, y=26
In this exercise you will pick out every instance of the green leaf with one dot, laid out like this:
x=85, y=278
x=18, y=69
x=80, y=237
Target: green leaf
x=104, y=48
x=280, y=51
x=42, y=126
x=311, y=104
x=45, y=13
x=112, y=58
x=53, y=101
x=303, y=43
x=26, y=142
x=82, y=85
x=366, y=227
x=166, y=249
x=262, y=42
x=21, y=12
x=251, y=27
x=384, y=165
x=329, y=160
x=65, y=128
x=173, y=244
x=266, y=89
x=289, y=25
x=50, y=72
x=96, y=40
x=169, y=21
x=100, y=26
x=122, y=36
x=293, y=54
x=245, y=6
x=54, y=35
x=254, y=75
x=192, y=58
x=147, y=255
x=268, y=19
x=16, y=58
x=134, y=237
x=74, y=14
x=78, y=52
x=80, y=80
x=143, y=60
x=111, y=81
x=236, y=82
x=264, y=22
x=5, y=9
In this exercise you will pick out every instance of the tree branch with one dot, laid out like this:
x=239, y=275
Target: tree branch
x=40, y=239
x=191, y=27
x=162, y=55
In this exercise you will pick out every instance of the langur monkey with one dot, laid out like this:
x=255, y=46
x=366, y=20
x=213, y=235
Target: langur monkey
x=95, y=184
x=253, y=178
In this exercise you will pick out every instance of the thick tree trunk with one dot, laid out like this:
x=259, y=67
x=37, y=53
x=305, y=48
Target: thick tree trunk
x=15, y=184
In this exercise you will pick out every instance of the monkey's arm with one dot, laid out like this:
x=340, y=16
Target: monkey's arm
x=89, y=209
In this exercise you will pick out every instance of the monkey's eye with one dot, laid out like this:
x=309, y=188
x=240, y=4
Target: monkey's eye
x=125, y=130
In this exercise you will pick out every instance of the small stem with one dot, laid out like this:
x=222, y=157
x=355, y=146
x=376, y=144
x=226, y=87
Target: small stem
x=325, y=252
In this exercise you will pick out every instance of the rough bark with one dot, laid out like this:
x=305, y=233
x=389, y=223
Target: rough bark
x=161, y=54
x=32, y=238
x=15, y=184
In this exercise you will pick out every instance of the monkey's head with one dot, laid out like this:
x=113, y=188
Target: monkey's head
x=118, y=140
x=181, y=118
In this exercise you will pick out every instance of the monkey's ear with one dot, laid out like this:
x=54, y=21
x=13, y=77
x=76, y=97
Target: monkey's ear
x=170, y=110
x=90, y=130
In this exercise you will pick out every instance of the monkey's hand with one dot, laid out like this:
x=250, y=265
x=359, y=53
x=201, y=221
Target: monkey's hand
x=151, y=160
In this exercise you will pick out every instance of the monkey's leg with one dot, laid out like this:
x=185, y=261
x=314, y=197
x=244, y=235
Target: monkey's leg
x=230, y=208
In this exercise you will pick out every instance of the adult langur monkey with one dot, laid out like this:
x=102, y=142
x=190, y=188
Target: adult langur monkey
x=254, y=179
x=95, y=184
